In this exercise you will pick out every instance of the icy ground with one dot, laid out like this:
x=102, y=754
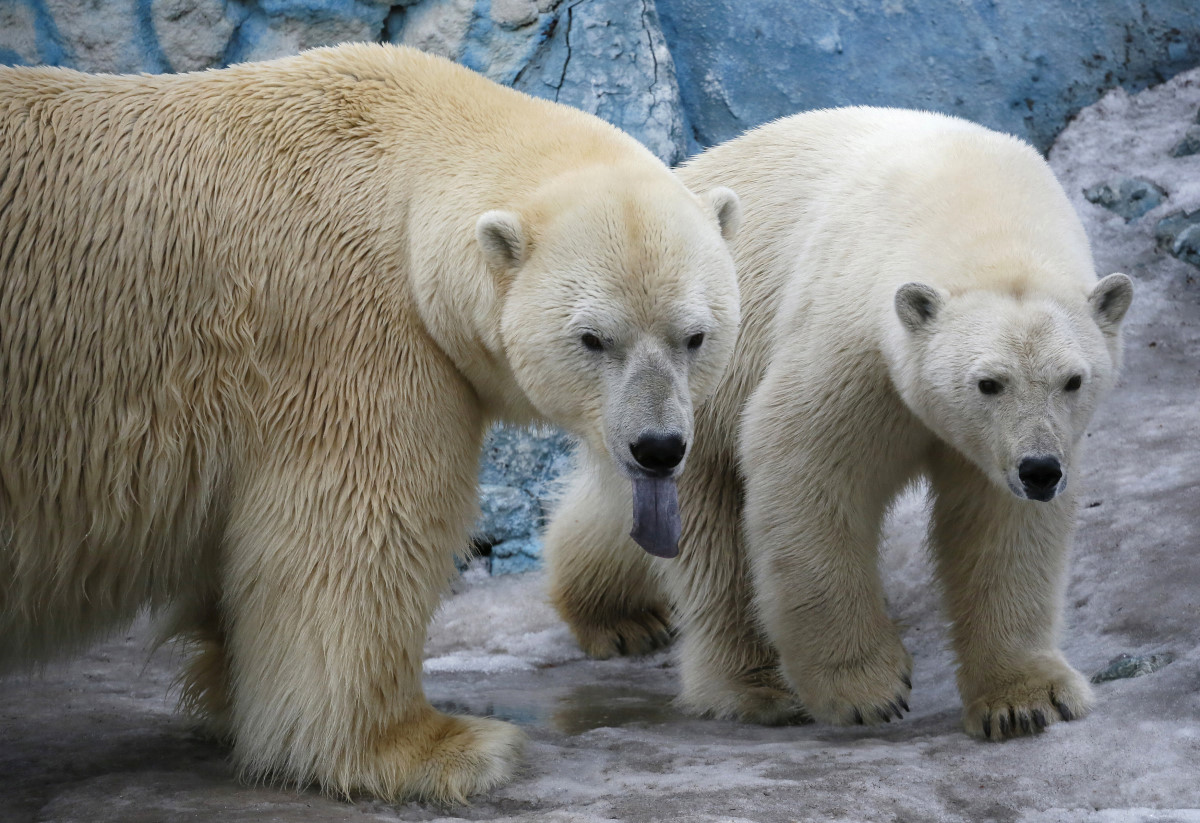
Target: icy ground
x=96, y=739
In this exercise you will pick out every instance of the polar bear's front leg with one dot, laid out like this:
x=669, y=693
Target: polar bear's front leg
x=822, y=460
x=602, y=582
x=338, y=548
x=1002, y=563
x=729, y=669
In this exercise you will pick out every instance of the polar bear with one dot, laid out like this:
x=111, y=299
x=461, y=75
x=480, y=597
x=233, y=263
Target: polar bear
x=919, y=301
x=253, y=325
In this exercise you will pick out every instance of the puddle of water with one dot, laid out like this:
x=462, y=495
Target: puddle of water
x=595, y=707
x=578, y=710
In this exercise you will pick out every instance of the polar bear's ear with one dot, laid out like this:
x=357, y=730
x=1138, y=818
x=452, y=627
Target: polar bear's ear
x=728, y=210
x=1110, y=300
x=501, y=238
x=917, y=304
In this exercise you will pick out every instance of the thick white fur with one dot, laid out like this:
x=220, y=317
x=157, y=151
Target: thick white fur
x=253, y=324
x=848, y=385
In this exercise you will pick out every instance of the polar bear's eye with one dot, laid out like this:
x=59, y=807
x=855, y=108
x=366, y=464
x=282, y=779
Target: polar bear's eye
x=989, y=386
x=1075, y=381
x=694, y=342
x=591, y=342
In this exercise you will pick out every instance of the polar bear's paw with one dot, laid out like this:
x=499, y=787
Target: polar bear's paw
x=760, y=696
x=1026, y=701
x=770, y=706
x=441, y=759
x=865, y=691
x=630, y=633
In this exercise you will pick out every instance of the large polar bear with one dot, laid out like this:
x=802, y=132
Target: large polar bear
x=253, y=325
x=919, y=300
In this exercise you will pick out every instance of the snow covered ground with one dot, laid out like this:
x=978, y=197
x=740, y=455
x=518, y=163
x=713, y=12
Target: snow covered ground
x=96, y=739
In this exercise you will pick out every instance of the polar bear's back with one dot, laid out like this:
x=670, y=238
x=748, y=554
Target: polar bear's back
x=865, y=189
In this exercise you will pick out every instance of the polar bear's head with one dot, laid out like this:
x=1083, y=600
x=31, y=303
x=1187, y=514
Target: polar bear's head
x=1011, y=380
x=620, y=308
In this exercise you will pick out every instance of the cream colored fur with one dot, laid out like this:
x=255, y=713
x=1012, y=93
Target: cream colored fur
x=848, y=385
x=253, y=324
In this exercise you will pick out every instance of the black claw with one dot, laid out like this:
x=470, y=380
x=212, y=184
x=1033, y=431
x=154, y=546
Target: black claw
x=1063, y=710
x=1026, y=726
x=895, y=707
x=858, y=718
x=907, y=681
x=987, y=726
x=621, y=649
x=903, y=704
x=1003, y=721
x=1039, y=719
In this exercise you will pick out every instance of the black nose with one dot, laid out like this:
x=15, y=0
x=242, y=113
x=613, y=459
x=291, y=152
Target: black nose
x=658, y=453
x=1040, y=476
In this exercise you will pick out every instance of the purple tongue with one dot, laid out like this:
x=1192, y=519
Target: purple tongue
x=656, y=524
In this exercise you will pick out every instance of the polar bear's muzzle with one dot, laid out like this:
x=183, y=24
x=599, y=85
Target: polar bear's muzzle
x=649, y=423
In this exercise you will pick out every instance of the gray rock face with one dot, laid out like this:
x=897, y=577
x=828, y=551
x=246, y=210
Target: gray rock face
x=607, y=57
x=1190, y=144
x=275, y=28
x=18, y=34
x=508, y=521
x=193, y=34
x=517, y=474
x=1124, y=666
x=1179, y=234
x=1021, y=67
x=1130, y=197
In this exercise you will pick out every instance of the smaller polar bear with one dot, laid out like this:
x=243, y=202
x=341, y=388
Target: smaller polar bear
x=919, y=301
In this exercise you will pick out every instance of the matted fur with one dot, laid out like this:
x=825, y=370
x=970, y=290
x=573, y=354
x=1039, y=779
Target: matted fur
x=249, y=345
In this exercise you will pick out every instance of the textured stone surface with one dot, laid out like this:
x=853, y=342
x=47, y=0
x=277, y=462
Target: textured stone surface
x=533, y=458
x=522, y=554
x=607, y=57
x=508, y=523
x=1022, y=67
x=1186, y=244
x=1124, y=666
x=517, y=475
x=193, y=34
x=104, y=37
x=18, y=34
x=1179, y=234
x=1190, y=144
x=1130, y=197
x=275, y=28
